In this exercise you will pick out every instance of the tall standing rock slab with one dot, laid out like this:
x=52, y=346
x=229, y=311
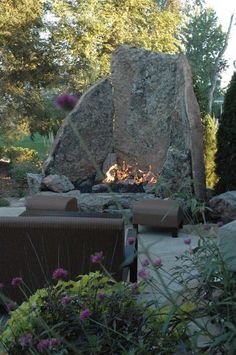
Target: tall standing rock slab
x=155, y=109
x=90, y=124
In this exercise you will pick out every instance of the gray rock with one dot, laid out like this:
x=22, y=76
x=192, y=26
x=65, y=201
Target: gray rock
x=35, y=182
x=175, y=174
x=85, y=138
x=58, y=183
x=227, y=244
x=100, y=188
x=103, y=201
x=155, y=108
x=224, y=206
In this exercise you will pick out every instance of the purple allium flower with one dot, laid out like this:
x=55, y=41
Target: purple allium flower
x=84, y=314
x=145, y=262
x=187, y=241
x=134, y=286
x=143, y=274
x=25, y=339
x=97, y=257
x=65, y=300
x=131, y=240
x=1, y=285
x=65, y=101
x=11, y=306
x=47, y=344
x=59, y=274
x=158, y=262
x=16, y=281
x=206, y=227
x=102, y=296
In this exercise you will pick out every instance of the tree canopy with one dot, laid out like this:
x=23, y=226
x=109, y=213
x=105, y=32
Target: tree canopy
x=53, y=46
x=204, y=40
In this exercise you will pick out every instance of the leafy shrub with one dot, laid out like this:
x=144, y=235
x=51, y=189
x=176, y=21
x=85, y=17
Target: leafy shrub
x=210, y=148
x=18, y=155
x=19, y=170
x=4, y=202
x=94, y=315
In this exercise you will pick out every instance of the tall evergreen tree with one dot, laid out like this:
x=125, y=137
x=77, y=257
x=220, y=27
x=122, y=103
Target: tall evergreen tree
x=226, y=141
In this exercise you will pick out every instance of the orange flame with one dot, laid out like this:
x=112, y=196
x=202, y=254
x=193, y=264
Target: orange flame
x=127, y=173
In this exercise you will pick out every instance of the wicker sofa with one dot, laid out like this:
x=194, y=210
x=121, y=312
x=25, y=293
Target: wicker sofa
x=32, y=247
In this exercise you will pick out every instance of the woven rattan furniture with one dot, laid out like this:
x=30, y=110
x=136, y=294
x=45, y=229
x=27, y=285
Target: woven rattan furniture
x=32, y=247
x=49, y=203
x=163, y=214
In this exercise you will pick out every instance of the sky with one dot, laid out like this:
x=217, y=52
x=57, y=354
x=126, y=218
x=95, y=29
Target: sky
x=224, y=9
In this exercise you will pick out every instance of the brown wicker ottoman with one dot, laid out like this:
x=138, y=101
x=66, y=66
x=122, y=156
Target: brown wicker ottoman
x=164, y=214
x=43, y=204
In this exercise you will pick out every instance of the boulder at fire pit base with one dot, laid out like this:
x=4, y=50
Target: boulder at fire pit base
x=227, y=244
x=58, y=183
x=35, y=182
x=175, y=174
x=224, y=206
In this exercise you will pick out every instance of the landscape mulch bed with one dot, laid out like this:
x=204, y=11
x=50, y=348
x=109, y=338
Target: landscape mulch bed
x=8, y=187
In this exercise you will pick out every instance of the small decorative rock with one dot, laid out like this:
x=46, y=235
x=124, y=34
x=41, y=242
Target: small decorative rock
x=58, y=183
x=35, y=182
x=224, y=206
x=227, y=244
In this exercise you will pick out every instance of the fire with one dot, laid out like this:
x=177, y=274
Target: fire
x=129, y=174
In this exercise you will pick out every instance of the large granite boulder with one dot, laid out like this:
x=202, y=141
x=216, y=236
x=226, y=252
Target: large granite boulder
x=227, y=244
x=224, y=206
x=149, y=112
x=155, y=108
x=85, y=138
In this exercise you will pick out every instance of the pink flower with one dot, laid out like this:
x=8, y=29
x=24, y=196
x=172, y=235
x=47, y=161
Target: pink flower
x=65, y=300
x=11, y=306
x=206, y=227
x=158, y=262
x=97, y=257
x=25, y=339
x=1, y=285
x=102, y=296
x=145, y=262
x=59, y=274
x=16, y=281
x=134, y=286
x=47, y=344
x=84, y=314
x=131, y=240
x=187, y=241
x=143, y=274
x=65, y=101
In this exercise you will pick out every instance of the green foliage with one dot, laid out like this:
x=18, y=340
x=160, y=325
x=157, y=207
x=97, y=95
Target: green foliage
x=19, y=171
x=18, y=155
x=117, y=322
x=226, y=138
x=22, y=161
x=91, y=30
x=211, y=287
x=203, y=40
x=210, y=148
x=4, y=202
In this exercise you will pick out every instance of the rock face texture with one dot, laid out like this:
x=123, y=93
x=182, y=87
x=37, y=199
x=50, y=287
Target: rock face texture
x=58, y=183
x=224, y=206
x=156, y=108
x=147, y=116
x=227, y=244
x=90, y=124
